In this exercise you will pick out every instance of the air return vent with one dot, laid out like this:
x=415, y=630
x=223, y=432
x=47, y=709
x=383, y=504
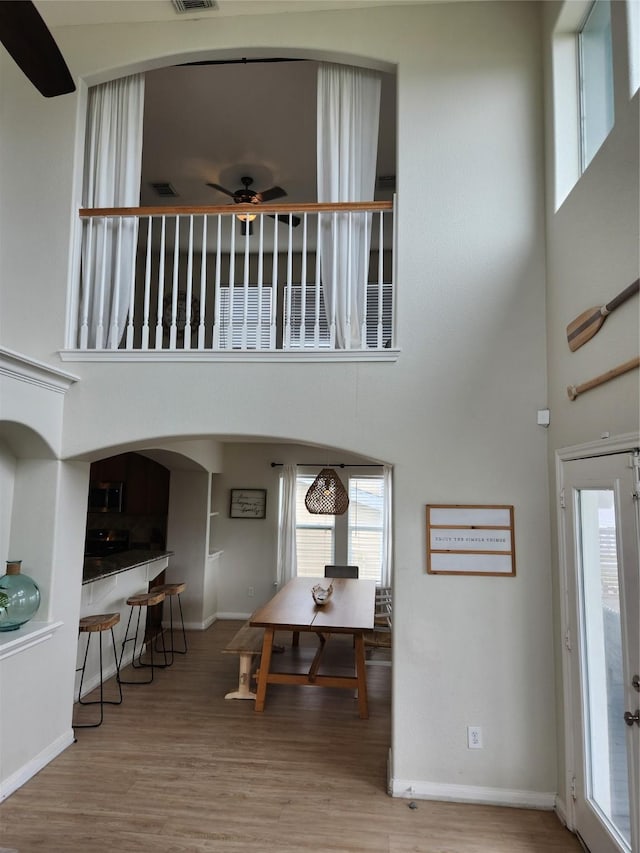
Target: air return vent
x=182, y=6
x=386, y=182
x=165, y=189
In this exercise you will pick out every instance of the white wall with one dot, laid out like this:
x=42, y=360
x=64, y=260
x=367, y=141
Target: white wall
x=456, y=415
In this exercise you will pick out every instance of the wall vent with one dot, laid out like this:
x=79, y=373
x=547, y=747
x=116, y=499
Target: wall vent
x=182, y=6
x=164, y=188
x=386, y=182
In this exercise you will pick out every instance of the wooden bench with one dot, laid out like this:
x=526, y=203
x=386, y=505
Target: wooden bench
x=247, y=642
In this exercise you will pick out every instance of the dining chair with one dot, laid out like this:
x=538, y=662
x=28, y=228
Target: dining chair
x=341, y=571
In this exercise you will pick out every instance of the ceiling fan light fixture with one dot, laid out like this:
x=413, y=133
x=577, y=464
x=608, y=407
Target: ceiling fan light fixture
x=327, y=495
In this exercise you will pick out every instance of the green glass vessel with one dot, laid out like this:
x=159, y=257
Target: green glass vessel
x=19, y=597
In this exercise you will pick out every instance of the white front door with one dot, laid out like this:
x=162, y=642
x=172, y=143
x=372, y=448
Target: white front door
x=603, y=612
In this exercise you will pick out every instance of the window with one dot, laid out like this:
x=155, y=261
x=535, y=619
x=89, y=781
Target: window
x=314, y=534
x=302, y=314
x=595, y=80
x=355, y=538
x=365, y=519
x=633, y=33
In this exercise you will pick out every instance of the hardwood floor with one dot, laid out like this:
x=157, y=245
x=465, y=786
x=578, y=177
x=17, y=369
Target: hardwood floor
x=178, y=769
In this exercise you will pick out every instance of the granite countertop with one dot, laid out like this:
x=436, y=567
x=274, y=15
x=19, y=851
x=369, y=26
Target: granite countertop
x=101, y=567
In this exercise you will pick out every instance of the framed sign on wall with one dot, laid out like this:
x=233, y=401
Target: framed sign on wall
x=470, y=540
x=248, y=503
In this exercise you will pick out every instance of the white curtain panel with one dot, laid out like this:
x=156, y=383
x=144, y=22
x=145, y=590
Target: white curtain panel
x=287, y=564
x=112, y=171
x=387, y=528
x=348, y=117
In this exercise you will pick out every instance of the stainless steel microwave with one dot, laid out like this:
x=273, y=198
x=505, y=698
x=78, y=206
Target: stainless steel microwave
x=105, y=497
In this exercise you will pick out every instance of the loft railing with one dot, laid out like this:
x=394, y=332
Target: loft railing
x=197, y=278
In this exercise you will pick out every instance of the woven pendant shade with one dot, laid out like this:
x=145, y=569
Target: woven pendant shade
x=327, y=495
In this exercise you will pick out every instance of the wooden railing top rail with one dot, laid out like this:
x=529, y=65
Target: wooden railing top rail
x=235, y=209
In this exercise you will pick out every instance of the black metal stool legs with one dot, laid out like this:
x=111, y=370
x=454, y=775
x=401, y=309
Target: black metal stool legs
x=140, y=601
x=90, y=625
x=171, y=591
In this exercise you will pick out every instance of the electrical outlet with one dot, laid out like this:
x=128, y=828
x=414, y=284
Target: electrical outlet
x=250, y=592
x=474, y=737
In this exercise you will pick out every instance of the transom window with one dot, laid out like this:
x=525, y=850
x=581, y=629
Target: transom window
x=595, y=80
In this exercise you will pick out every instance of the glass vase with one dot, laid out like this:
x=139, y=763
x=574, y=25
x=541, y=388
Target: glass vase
x=19, y=597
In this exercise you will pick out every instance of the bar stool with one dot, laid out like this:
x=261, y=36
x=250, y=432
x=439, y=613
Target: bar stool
x=89, y=625
x=171, y=591
x=142, y=599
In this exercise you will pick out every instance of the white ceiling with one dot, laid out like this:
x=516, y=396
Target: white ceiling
x=59, y=13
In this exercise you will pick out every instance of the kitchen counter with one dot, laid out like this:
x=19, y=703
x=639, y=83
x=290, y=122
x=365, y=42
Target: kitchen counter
x=96, y=568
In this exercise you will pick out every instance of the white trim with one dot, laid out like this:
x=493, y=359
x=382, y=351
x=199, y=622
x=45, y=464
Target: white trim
x=223, y=616
x=420, y=790
x=617, y=444
x=198, y=626
x=29, y=770
x=25, y=637
x=246, y=356
x=561, y=810
x=17, y=366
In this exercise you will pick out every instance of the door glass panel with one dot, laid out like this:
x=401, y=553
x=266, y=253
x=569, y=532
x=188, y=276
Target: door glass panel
x=605, y=748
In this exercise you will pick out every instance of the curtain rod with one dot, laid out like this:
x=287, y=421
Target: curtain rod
x=331, y=465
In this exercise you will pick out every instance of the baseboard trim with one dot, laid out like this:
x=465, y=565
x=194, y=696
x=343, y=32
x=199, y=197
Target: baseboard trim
x=197, y=626
x=223, y=616
x=29, y=770
x=415, y=790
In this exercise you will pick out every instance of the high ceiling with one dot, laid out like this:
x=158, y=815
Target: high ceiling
x=82, y=12
x=217, y=123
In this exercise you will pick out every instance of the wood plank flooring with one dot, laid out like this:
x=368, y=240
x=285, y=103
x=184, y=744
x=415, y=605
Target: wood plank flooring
x=179, y=769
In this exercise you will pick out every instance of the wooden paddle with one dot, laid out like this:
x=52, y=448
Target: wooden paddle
x=574, y=390
x=584, y=327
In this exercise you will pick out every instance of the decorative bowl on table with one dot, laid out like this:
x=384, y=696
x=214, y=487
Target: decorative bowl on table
x=321, y=594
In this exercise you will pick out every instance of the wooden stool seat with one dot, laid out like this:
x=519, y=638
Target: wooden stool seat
x=145, y=599
x=99, y=622
x=171, y=588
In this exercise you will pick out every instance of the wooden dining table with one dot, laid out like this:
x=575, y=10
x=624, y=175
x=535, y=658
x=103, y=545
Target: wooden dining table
x=349, y=610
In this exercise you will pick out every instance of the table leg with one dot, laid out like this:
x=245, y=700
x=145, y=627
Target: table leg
x=265, y=663
x=315, y=665
x=361, y=675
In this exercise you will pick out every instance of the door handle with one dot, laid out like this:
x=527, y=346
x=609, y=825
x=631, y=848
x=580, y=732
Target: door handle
x=630, y=718
x=635, y=683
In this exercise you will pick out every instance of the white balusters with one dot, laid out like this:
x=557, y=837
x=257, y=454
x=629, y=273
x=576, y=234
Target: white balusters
x=203, y=284
x=236, y=300
x=158, y=344
x=147, y=288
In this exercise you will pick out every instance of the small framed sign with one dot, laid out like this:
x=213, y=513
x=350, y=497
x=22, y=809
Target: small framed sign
x=248, y=503
x=470, y=540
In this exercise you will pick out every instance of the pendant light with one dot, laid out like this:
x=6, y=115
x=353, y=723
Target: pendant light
x=327, y=495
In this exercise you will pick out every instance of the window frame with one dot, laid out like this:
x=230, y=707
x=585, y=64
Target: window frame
x=342, y=550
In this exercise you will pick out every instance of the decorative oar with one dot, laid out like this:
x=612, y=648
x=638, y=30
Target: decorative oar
x=584, y=327
x=574, y=390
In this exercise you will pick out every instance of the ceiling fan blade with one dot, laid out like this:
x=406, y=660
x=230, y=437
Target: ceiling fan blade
x=284, y=218
x=29, y=42
x=221, y=189
x=270, y=195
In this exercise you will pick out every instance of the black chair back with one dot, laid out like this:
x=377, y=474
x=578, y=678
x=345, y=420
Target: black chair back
x=341, y=571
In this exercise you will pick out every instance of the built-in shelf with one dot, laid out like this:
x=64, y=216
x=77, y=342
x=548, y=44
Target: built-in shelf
x=25, y=637
x=212, y=551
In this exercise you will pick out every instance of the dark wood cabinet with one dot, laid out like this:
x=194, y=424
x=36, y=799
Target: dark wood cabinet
x=146, y=483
